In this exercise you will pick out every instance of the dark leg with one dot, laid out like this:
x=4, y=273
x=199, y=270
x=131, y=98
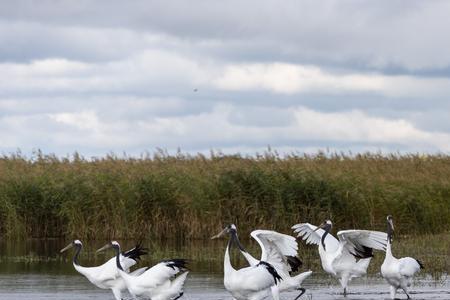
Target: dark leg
x=407, y=295
x=179, y=296
x=301, y=294
x=345, y=292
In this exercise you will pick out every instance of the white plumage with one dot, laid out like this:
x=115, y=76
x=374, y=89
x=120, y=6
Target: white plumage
x=164, y=281
x=277, y=248
x=398, y=273
x=347, y=257
x=256, y=282
x=106, y=276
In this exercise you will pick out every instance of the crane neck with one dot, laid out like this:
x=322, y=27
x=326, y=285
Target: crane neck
x=119, y=266
x=388, y=248
x=227, y=261
x=327, y=231
x=77, y=254
x=390, y=232
x=235, y=240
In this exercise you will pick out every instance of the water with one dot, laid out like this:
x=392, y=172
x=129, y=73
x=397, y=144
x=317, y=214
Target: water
x=198, y=286
x=34, y=270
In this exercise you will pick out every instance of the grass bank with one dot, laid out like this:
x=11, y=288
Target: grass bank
x=190, y=197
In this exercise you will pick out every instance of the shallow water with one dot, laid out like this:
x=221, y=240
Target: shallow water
x=45, y=286
x=34, y=270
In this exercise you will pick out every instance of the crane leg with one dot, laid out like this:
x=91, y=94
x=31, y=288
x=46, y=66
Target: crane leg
x=406, y=292
x=301, y=294
x=179, y=296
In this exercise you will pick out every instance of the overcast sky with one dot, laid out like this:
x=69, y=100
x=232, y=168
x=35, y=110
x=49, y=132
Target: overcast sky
x=132, y=76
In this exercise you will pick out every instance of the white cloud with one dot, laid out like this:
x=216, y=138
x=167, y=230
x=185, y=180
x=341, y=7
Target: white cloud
x=295, y=76
x=290, y=79
x=356, y=126
x=85, y=120
x=286, y=78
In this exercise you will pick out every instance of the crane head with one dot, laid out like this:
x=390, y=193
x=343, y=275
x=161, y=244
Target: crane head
x=112, y=244
x=227, y=230
x=325, y=225
x=390, y=221
x=75, y=243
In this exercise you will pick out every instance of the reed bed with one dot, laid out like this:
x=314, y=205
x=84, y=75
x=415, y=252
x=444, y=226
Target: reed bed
x=191, y=197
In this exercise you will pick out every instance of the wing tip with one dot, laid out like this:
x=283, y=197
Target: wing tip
x=420, y=264
x=179, y=263
x=136, y=252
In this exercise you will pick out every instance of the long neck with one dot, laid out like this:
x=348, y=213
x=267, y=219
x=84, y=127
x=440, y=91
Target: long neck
x=77, y=254
x=390, y=233
x=327, y=230
x=235, y=239
x=119, y=266
x=250, y=259
x=227, y=261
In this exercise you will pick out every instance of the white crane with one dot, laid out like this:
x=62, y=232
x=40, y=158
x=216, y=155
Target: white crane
x=256, y=282
x=164, y=281
x=106, y=276
x=347, y=257
x=398, y=273
x=281, y=252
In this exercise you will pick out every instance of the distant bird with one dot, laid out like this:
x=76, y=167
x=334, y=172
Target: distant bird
x=195, y=90
x=398, y=273
x=281, y=252
x=256, y=282
x=106, y=276
x=164, y=281
x=339, y=258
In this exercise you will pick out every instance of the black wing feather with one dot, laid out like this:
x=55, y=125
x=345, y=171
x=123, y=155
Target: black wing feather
x=276, y=277
x=294, y=262
x=179, y=263
x=135, y=253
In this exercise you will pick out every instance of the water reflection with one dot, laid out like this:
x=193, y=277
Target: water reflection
x=42, y=256
x=34, y=269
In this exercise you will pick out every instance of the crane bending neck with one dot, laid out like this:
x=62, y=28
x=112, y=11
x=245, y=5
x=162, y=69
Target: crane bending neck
x=235, y=239
x=119, y=266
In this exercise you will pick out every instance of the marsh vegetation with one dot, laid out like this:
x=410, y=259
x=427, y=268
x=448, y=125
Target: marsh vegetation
x=188, y=197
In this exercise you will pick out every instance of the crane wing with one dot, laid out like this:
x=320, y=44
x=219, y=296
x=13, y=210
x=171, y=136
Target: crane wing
x=108, y=270
x=409, y=266
x=131, y=257
x=312, y=235
x=361, y=243
x=277, y=248
x=161, y=273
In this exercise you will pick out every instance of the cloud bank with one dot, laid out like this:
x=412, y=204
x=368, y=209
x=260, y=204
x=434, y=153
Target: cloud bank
x=105, y=76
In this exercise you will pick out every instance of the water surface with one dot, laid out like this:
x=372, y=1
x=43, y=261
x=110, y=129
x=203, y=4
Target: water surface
x=33, y=269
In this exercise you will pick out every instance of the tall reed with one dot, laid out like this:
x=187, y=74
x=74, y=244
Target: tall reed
x=184, y=196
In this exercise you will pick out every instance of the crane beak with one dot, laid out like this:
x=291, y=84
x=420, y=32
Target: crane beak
x=219, y=235
x=107, y=246
x=319, y=227
x=66, y=248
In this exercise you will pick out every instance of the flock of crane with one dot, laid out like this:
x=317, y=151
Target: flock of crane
x=344, y=258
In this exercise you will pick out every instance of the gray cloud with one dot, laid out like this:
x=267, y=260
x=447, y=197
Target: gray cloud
x=101, y=76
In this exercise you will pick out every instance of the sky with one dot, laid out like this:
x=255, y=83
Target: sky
x=100, y=77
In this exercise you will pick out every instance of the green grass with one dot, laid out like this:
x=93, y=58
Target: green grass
x=191, y=197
